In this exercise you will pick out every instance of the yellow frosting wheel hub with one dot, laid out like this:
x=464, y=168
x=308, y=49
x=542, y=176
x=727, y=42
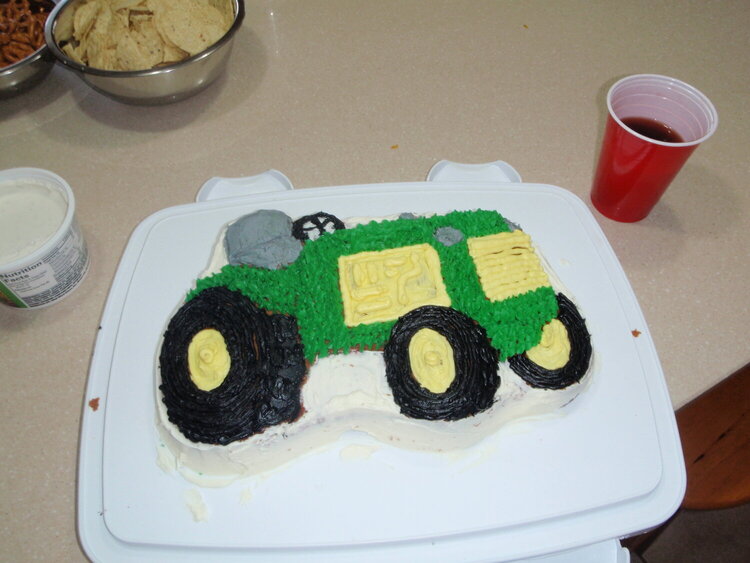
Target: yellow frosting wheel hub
x=208, y=359
x=431, y=358
x=553, y=351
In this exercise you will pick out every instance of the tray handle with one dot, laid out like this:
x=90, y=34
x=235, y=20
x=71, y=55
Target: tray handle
x=449, y=171
x=219, y=188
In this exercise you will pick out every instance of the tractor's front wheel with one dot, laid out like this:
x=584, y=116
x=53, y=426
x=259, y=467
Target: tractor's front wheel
x=562, y=357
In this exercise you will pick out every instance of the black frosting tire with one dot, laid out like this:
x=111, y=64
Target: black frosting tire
x=267, y=367
x=476, y=378
x=580, y=353
x=313, y=226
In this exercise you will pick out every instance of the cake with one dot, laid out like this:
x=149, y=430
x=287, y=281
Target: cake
x=427, y=332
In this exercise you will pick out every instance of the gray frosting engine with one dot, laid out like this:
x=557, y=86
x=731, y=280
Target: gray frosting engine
x=262, y=239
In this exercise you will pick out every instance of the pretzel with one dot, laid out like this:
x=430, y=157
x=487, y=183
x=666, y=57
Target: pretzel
x=21, y=29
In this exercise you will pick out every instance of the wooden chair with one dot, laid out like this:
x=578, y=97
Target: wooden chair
x=715, y=434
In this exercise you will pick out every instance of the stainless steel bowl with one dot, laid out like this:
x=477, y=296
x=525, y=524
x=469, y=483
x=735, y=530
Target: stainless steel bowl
x=160, y=85
x=26, y=73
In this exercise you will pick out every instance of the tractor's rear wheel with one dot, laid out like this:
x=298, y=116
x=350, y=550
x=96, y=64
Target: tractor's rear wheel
x=229, y=369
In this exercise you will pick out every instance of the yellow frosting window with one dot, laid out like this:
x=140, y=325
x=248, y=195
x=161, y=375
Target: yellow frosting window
x=208, y=359
x=383, y=285
x=507, y=264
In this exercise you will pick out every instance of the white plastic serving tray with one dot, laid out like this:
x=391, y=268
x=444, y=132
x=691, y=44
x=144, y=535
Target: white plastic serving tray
x=555, y=489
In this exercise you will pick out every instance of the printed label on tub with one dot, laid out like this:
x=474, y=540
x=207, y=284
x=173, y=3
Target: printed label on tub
x=51, y=277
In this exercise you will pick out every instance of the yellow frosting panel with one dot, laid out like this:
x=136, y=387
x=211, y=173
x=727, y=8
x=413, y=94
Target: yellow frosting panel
x=208, y=359
x=383, y=285
x=431, y=360
x=553, y=351
x=507, y=264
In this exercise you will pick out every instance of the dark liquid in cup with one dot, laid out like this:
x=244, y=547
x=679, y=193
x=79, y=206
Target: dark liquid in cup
x=653, y=129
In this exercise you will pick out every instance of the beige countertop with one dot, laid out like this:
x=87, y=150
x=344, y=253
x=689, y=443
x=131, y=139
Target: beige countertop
x=351, y=92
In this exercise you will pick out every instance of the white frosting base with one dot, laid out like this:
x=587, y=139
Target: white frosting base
x=343, y=393
x=349, y=392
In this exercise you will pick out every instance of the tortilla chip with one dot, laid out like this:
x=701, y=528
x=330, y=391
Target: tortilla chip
x=118, y=5
x=192, y=27
x=84, y=19
x=173, y=54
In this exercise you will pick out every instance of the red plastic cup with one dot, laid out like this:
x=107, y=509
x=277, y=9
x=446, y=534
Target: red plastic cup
x=635, y=169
